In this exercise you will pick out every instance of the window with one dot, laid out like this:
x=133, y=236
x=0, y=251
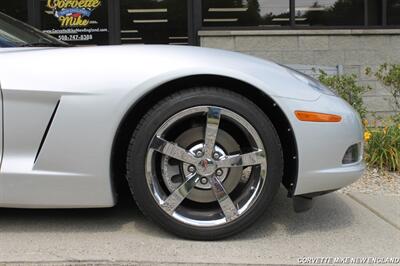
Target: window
x=154, y=21
x=374, y=12
x=246, y=13
x=76, y=24
x=15, y=8
x=329, y=12
x=393, y=12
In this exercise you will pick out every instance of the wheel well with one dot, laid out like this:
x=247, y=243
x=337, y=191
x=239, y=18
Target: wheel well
x=263, y=101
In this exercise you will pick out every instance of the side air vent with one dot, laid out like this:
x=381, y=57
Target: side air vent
x=47, y=130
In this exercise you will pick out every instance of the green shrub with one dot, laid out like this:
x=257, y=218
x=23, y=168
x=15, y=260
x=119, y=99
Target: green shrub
x=382, y=149
x=346, y=87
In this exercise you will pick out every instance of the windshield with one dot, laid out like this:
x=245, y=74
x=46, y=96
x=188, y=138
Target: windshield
x=14, y=33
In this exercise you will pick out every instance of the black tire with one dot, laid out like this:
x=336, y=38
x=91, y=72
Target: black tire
x=168, y=107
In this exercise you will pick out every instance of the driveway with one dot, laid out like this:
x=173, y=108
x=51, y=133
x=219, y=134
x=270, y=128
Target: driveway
x=339, y=225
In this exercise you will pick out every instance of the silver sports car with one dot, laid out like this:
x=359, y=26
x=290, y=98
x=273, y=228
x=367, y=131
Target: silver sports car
x=203, y=137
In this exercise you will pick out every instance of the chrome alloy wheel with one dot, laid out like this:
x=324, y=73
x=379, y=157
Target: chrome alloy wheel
x=206, y=166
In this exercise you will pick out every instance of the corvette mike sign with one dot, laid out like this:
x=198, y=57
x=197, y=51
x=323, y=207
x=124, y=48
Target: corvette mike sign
x=80, y=21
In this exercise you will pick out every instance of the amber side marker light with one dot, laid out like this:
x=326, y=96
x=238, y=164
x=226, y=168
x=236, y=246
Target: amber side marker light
x=317, y=117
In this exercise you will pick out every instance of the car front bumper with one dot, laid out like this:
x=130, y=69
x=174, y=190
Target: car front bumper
x=322, y=146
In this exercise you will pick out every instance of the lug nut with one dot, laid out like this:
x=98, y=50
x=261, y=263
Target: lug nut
x=199, y=153
x=216, y=155
x=219, y=172
x=192, y=169
x=203, y=180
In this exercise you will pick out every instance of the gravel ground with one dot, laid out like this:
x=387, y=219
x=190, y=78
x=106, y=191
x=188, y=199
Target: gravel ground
x=376, y=182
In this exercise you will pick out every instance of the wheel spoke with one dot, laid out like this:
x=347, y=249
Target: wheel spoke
x=176, y=198
x=172, y=150
x=228, y=208
x=241, y=160
x=213, y=118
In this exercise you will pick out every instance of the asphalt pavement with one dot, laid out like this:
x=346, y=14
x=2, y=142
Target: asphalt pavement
x=339, y=225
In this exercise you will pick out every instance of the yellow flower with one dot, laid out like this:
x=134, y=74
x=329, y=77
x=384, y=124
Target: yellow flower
x=385, y=130
x=367, y=135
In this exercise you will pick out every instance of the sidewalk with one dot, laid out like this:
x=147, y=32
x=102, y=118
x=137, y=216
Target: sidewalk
x=339, y=225
x=385, y=207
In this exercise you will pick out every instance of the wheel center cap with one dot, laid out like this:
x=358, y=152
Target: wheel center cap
x=206, y=167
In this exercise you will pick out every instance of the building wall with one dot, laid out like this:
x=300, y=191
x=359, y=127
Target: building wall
x=353, y=49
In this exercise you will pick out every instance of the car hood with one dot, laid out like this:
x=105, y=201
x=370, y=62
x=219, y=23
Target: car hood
x=138, y=64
